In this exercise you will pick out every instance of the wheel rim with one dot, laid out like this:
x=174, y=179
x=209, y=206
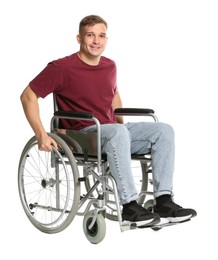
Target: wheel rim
x=48, y=186
x=43, y=188
x=92, y=231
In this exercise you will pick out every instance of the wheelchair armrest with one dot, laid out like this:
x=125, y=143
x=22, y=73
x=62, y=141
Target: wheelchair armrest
x=73, y=114
x=133, y=111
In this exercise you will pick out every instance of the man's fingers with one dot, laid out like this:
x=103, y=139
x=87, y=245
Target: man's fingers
x=47, y=145
x=53, y=143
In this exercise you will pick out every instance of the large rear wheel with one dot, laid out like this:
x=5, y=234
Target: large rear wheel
x=48, y=185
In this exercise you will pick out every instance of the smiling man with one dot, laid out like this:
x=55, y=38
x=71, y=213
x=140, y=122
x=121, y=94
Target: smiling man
x=86, y=81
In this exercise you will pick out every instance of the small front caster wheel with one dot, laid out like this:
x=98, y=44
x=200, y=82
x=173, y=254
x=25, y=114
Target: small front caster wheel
x=97, y=232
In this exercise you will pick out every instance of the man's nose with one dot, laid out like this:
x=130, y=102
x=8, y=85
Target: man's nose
x=96, y=39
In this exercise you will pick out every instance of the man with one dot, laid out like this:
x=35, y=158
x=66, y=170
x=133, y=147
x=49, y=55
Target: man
x=86, y=82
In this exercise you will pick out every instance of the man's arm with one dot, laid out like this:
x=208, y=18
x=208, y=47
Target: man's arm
x=30, y=104
x=117, y=103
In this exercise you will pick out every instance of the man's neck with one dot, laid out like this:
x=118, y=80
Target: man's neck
x=93, y=61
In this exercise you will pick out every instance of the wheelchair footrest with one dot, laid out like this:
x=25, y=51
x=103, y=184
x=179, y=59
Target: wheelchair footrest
x=128, y=225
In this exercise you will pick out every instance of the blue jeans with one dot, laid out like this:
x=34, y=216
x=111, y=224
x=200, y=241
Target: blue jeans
x=119, y=141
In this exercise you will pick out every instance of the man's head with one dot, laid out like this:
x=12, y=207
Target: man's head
x=92, y=38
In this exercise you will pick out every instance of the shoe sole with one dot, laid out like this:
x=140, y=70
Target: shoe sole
x=165, y=223
x=143, y=223
x=176, y=219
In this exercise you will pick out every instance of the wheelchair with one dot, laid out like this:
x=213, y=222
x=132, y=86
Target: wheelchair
x=75, y=179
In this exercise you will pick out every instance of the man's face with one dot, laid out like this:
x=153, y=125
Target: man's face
x=93, y=40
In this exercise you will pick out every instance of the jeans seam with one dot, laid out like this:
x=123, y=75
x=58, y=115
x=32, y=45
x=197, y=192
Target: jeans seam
x=117, y=169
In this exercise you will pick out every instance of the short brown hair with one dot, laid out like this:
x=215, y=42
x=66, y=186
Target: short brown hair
x=90, y=20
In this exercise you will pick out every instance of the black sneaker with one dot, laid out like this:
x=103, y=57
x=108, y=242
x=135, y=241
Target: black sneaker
x=169, y=211
x=135, y=213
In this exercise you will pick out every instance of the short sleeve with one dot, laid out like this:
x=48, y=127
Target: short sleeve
x=48, y=80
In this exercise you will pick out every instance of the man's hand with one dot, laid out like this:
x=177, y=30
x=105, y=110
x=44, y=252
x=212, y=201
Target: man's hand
x=46, y=143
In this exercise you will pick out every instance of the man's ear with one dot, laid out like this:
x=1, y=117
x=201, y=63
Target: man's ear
x=78, y=38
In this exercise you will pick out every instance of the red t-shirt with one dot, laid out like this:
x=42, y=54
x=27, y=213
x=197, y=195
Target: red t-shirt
x=79, y=87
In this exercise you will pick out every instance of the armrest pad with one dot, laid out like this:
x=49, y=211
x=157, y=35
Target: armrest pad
x=133, y=111
x=73, y=114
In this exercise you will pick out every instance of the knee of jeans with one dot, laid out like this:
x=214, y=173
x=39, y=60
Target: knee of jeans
x=120, y=132
x=167, y=130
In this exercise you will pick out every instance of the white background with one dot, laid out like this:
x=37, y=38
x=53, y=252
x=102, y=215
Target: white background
x=167, y=59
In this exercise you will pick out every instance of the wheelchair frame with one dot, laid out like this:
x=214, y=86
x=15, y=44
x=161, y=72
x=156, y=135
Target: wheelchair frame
x=62, y=185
